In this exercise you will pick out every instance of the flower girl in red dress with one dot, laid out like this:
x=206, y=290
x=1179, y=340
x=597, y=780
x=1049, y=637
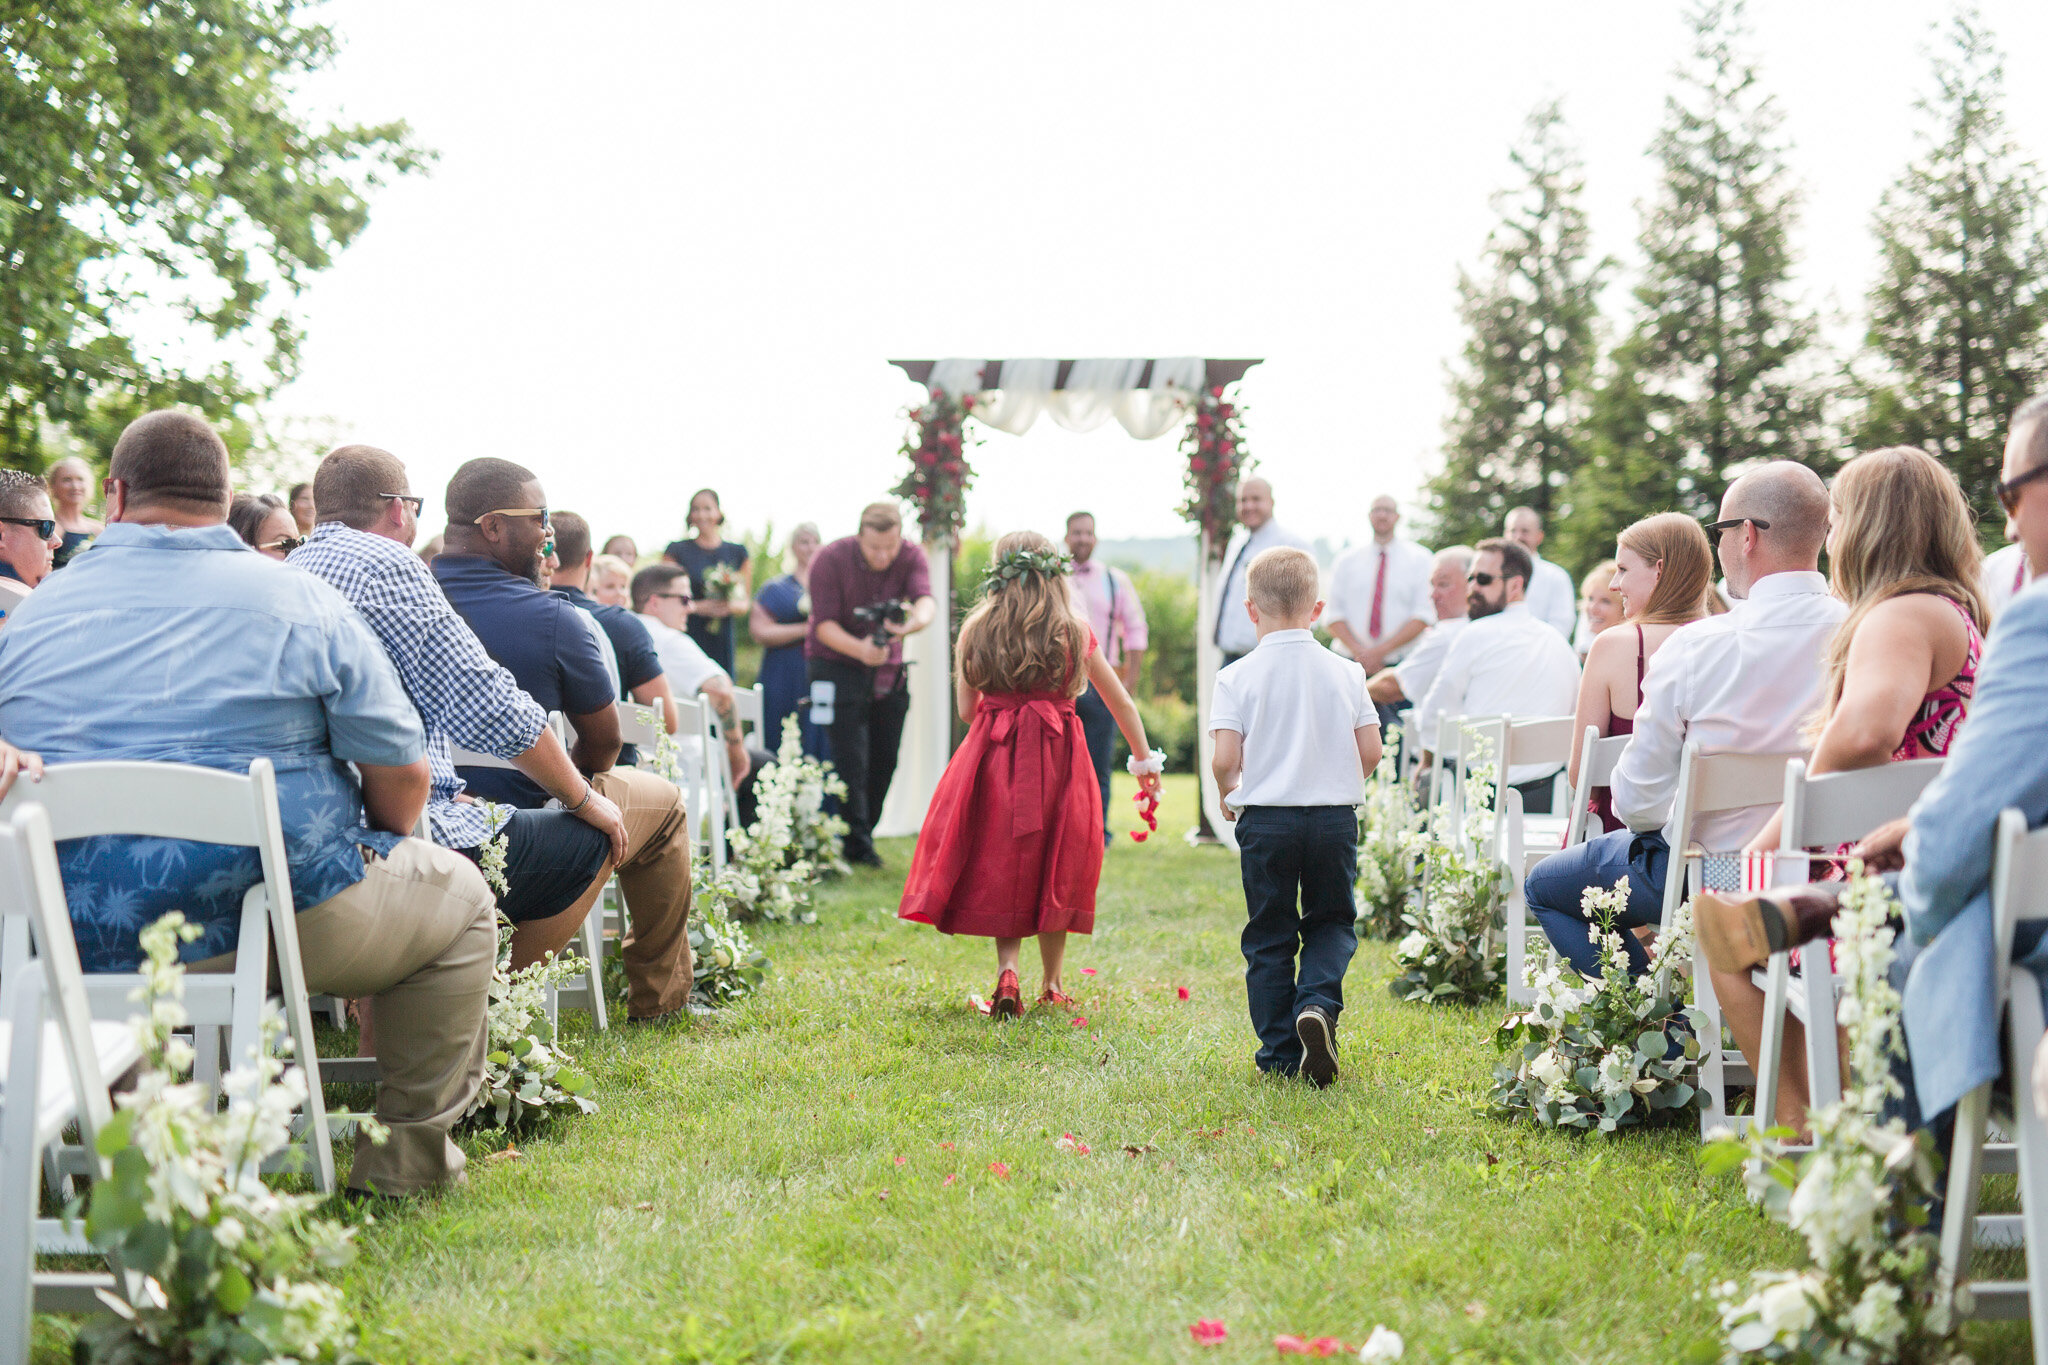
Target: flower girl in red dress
x=1012, y=844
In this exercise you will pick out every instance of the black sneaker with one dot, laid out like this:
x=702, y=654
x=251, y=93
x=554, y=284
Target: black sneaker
x=866, y=858
x=1318, y=1047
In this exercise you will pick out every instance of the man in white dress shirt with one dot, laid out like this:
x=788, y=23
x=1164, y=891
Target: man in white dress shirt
x=1506, y=663
x=1409, y=681
x=1379, y=596
x=1746, y=682
x=1235, y=634
x=1552, y=598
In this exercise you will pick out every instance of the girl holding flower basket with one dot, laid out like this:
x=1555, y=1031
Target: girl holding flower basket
x=1012, y=843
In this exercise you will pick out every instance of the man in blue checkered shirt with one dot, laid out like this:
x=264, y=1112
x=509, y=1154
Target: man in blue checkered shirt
x=557, y=861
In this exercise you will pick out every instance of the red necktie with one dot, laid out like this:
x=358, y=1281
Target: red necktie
x=1379, y=597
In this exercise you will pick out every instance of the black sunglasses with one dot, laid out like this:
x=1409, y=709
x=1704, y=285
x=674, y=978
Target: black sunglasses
x=44, y=528
x=1484, y=580
x=1715, y=528
x=416, y=504
x=284, y=544
x=2008, y=490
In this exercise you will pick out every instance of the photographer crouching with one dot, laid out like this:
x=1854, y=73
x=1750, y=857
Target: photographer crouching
x=868, y=591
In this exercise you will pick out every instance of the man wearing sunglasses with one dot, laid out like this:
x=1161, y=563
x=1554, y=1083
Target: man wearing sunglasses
x=1748, y=682
x=1507, y=662
x=498, y=528
x=28, y=536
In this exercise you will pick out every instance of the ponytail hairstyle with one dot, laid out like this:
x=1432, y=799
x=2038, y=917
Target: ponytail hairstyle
x=1026, y=634
x=1900, y=526
x=1676, y=541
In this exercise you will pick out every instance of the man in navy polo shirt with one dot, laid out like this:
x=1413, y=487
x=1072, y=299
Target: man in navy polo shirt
x=490, y=569
x=640, y=673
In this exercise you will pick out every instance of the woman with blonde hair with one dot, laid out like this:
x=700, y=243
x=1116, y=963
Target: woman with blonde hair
x=1663, y=571
x=1600, y=606
x=1012, y=844
x=1900, y=672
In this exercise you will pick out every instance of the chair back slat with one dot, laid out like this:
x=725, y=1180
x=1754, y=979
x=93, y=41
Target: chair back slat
x=639, y=725
x=1733, y=781
x=1835, y=808
x=158, y=800
x=1545, y=739
x=1597, y=759
x=751, y=707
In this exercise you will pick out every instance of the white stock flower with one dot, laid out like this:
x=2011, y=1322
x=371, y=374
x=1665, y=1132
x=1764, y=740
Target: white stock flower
x=1836, y=1205
x=1384, y=1344
x=1877, y=1316
x=1551, y=1070
x=1414, y=946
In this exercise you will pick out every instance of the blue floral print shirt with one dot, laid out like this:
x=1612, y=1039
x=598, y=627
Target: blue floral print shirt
x=183, y=645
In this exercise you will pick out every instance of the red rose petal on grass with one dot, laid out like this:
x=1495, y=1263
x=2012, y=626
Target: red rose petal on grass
x=1087, y=971
x=1290, y=1346
x=1137, y=836
x=1184, y=992
x=1209, y=1332
x=949, y=1180
x=999, y=1170
x=1081, y=1022
x=901, y=1159
x=945, y=1146
x=1067, y=1142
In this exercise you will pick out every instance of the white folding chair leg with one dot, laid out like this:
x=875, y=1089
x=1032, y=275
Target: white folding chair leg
x=1713, y=1070
x=1770, y=1061
x=1823, y=1052
x=593, y=954
x=2032, y=1140
x=1965, y=1173
x=18, y=1176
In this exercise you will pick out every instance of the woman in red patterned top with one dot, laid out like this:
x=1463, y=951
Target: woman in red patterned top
x=1901, y=668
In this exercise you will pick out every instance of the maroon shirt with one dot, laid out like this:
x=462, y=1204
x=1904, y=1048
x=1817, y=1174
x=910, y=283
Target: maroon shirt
x=841, y=580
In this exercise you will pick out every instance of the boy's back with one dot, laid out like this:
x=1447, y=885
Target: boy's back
x=1298, y=707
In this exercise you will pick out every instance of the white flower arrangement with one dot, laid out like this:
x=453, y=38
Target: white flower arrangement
x=1860, y=1199
x=1453, y=952
x=728, y=965
x=1613, y=1052
x=817, y=836
x=768, y=877
x=526, y=1079
x=230, y=1266
x=1391, y=840
x=497, y=845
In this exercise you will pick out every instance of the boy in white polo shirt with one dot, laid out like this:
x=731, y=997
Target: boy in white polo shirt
x=1295, y=736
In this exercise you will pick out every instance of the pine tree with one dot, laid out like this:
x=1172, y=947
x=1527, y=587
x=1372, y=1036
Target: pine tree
x=1719, y=365
x=1958, y=310
x=1519, y=392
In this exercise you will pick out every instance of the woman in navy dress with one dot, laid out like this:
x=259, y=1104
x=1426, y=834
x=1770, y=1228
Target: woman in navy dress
x=780, y=621
x=71, y=484
x=711, y=615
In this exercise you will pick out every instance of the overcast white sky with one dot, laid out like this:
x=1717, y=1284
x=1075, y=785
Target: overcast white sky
x=670, y=245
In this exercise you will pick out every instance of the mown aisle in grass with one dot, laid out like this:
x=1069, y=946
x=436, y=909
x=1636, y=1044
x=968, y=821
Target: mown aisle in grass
x=808, y=1176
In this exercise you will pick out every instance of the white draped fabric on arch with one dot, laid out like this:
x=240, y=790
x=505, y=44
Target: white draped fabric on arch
x=1148, y=398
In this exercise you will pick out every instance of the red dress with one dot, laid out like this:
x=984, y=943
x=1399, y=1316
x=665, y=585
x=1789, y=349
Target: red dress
x=1012, y=844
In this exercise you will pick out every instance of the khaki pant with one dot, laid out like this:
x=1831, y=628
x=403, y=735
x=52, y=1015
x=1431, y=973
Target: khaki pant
x=419, y=935
x=656, y=880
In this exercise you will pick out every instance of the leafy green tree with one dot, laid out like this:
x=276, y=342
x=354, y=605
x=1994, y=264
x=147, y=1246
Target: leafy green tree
x=1520, y=388
x=157, y=187
x=1958, y=312
x=1721, y=368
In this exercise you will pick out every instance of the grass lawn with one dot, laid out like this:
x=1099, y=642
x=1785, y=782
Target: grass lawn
x=808, y=1176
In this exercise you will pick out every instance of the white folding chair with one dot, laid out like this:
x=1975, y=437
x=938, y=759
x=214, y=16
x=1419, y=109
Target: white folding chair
x=205, y=805
x=748, y=710
x=1447, y=778
x=587, y=993
x=2019, y=894
x=1597, y=759
x=1821, y=812
x=1709, y=784
x=56, y=1062
x=1523, y=840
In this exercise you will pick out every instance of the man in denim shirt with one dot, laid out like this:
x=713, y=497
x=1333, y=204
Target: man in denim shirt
x=174, y=643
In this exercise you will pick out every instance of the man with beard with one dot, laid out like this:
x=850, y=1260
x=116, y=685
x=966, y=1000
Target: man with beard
x=1506, y=663
x=498, y=526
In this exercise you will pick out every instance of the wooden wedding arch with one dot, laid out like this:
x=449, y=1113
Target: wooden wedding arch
x=928, y=734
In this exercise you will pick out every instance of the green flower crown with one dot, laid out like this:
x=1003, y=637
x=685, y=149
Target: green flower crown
x=1014, y=565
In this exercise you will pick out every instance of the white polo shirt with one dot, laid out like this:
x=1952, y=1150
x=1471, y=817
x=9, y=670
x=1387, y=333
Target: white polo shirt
x=1296, y=704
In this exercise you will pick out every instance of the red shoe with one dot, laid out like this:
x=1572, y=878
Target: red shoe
x=1052, y=997
x=1009, y=998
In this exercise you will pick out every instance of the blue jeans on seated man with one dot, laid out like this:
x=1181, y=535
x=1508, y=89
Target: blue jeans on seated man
x=1554, y=889
x=1284, y=852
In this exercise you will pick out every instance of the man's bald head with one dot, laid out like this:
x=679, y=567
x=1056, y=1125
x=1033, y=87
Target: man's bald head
x=1254, y=503
x=1793, y=500
x=350, y=485
x=1257, y=485
x=174, y=459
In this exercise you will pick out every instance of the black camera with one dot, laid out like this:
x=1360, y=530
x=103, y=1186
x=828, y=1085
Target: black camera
x=876, y=617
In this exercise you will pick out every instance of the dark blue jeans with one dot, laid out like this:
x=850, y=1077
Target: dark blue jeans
x=1554, y=888
x=1100, y=728
x=1287, y=854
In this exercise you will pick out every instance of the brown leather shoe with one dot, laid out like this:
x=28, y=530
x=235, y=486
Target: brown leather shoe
x=1737, y=933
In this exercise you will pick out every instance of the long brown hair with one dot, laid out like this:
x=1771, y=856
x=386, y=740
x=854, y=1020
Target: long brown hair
x=1025, y=635
x=1901, y=526
x=1688, y=573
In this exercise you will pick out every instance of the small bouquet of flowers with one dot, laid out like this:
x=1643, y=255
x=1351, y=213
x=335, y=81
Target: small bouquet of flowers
x=721, y=582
